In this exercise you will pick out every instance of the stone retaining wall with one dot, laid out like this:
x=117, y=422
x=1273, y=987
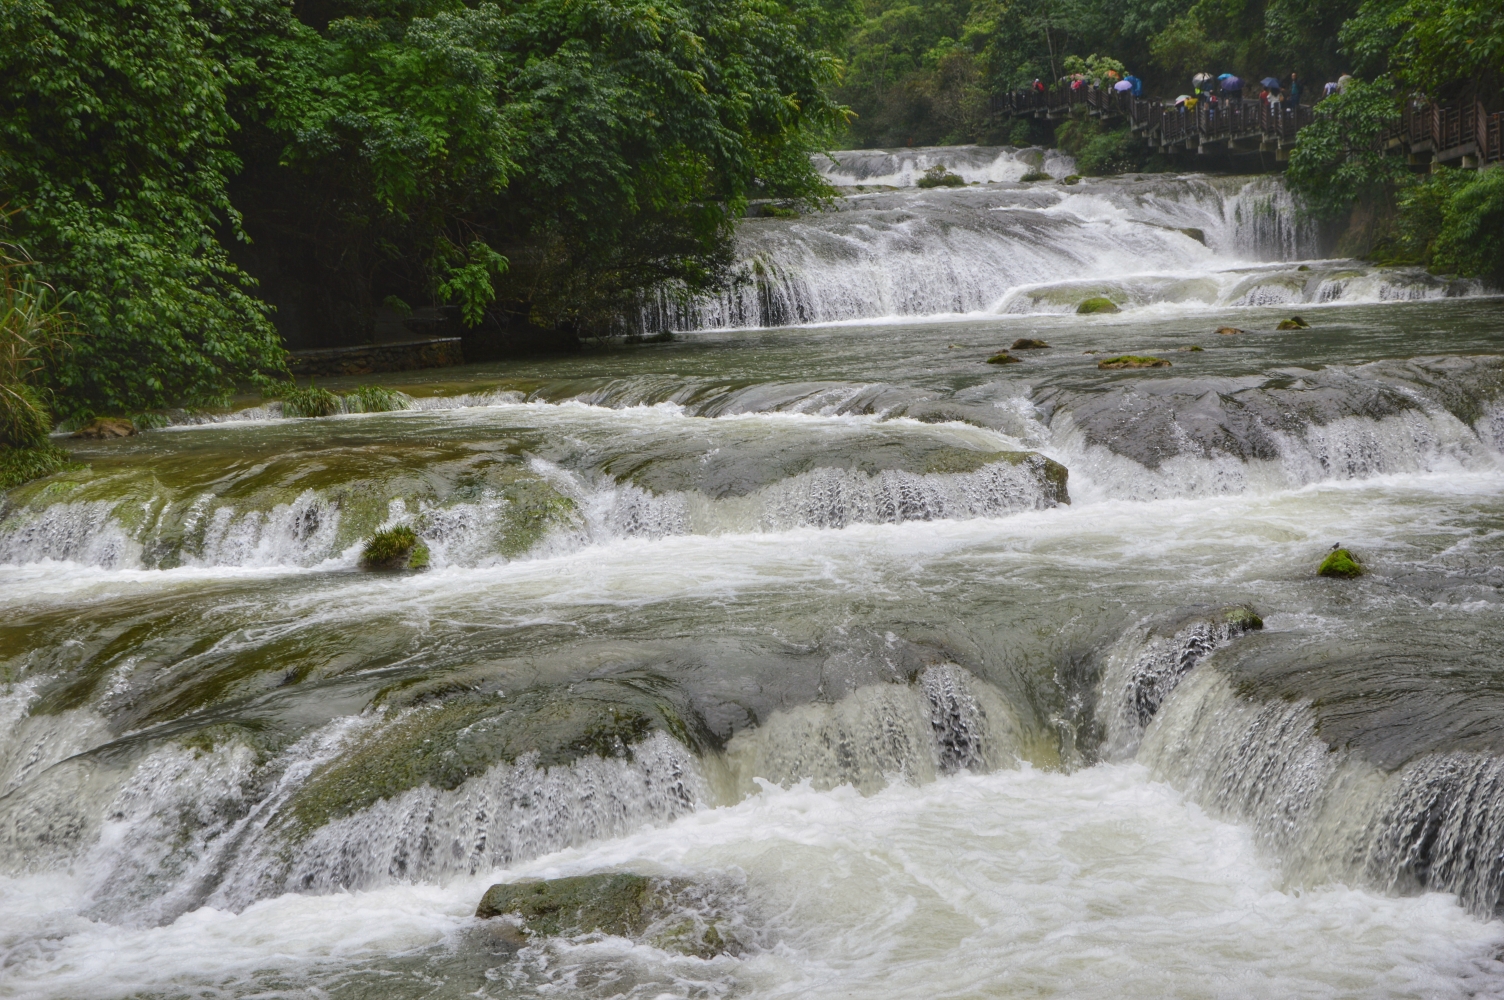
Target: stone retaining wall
x=370, y=359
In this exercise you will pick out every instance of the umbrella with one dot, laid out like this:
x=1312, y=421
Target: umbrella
x=1225, y=76
x=1230, y=82
x=1182, y=98
x=1201, y=78
x=1122, y=85
x=1270, y=82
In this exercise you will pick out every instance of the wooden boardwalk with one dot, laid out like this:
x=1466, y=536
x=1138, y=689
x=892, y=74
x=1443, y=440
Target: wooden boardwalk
x=1465, y=135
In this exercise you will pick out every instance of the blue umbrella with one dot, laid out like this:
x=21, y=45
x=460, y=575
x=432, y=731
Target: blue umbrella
x=1230, y=82
x=1270, y=82
x=1224, y=76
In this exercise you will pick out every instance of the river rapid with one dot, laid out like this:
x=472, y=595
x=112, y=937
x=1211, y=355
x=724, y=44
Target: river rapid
x=939, y=678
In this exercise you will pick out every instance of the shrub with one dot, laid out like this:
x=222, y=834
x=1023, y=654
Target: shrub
x=20, y=465
x=939, y=176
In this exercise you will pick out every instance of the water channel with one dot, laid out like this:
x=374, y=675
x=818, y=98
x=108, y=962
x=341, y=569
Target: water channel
x=940, y=678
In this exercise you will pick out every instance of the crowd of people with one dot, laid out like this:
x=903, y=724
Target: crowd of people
x=1206, y=89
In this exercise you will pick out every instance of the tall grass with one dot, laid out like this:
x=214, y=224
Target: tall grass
x=34, y=332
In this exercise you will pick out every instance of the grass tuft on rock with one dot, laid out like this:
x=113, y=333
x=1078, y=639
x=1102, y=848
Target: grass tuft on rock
x=22, y=465
x=376, y=399
x=310, y=402
x=1003, y=358
x=1035, y=175
x=1133, y=361
x=1097, y=304
x=394, y=549
x=1339, y=563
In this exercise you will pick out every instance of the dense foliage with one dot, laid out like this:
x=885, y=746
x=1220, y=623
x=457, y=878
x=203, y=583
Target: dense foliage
x=1420, y=50
x=534, y=166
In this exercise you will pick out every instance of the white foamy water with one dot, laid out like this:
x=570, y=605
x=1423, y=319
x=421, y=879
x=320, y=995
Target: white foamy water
x=1095, y=884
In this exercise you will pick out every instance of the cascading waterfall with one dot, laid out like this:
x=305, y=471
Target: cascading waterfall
x=905, y=670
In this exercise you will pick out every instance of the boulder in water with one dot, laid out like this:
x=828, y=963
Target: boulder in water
x=1071, y=179
x=1003, y=358
x=1229, y=331
x=394, y=549
x=1196, y=234
x=1036, y=175
x=1097, y=304
x=1028, y=344
x=1293, y=323
x=617, y=903
x=1340, y=563
x=1133, y=361
x=103, y=428
x=1193, y=347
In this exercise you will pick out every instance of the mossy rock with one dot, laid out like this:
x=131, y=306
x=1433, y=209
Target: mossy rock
x=1097, y=304
x=1071, y=179
x=1028, y=344
x=1133, y=361
x=1035, y=175
x=395, y=549
x=618, y=903
x=1194, y=348
x=1340, y=563
x=1003, y=358
x=1241, y=617
x=1293, y=323
x=1229, y=331
x=105, y=428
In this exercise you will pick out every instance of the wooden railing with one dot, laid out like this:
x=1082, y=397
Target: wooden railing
x=1462, y=132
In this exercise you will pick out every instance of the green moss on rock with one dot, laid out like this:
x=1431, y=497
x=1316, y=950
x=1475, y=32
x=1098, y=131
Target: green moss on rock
x=1340, y=563
x=1097, y=304
x=395, y=548
x=1035, y=175
x=1293, y=323
x=1133, y=361
x=1003, y=358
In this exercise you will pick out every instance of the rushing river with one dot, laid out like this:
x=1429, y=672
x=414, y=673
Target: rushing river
x=937, y=676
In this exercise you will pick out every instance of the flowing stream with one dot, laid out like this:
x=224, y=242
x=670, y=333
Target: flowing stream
x=940, y=678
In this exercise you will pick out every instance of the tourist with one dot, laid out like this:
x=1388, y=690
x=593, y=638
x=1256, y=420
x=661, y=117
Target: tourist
x=1295, y=89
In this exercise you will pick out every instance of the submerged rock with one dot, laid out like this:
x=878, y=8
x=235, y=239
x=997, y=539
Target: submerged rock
x=1193, y=348
x=1229, y=331
x=1340, y=563
x=617, y=903
x=1028, y=344
x=1293, y=323
x=1003, y=358
x=102, y=428
x=394, y=549
x=1097, y=304
x=1133, y=361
